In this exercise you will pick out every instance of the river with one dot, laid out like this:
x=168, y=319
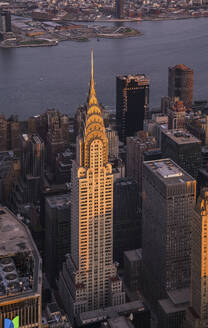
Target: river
x=34, y=79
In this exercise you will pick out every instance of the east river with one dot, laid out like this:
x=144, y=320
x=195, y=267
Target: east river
x=34, y=79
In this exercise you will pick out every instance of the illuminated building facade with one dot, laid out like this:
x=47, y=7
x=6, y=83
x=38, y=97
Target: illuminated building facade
x=89, y=277
x=197, y=314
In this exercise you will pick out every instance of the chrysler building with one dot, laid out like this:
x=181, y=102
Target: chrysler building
x=89, y=278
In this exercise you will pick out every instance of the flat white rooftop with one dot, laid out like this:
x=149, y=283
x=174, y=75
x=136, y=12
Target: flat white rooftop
x=167, y=170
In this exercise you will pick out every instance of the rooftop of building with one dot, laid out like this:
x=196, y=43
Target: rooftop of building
x=20, y=263
x=181, y=136
x=119, y=322
x=142, y=137
x=182, y=67
x=59, y=201
x=110, y=312
x=168, y=171
x=133, y=255
x=127, y=181
x=179, y=302
x=178, y=106
x=179, y=296
x=135, y=77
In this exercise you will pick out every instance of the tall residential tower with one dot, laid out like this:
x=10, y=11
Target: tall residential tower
x=89, y=277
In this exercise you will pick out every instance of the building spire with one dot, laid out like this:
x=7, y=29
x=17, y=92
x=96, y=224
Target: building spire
x=92, y=73
x=92, y=99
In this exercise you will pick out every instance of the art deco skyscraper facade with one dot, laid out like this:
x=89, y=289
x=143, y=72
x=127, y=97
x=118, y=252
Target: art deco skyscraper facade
x=89, y=277
x=197, y=314
x=132, y=101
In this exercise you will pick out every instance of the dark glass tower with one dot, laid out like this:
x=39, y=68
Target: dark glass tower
x=132, y=100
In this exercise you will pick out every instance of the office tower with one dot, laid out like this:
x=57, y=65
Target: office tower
x=180, y=83
x=27, y=188
x=3, y=133
x=183, y=148
x=205, y=128
x=119, y=8
x=136, y=146
x=5, y=21
x=113, y=143
x=50, y=125
x=165, y=105
x=13, y=133
x=168, y=203
x=126, y=220
x=57, y=233
x=55, y=140
x=63, y=166
x=118, y=169
x=133, y=269
x=32, y=156
x=156, y=125
x=132, y=101
x=9, y=133
x=197, y=313
x=20, y=273
x=177, y=116
x=9, y=171
x=89, y=277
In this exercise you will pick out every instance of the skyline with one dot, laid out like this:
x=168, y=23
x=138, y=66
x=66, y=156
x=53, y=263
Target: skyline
x=23, y=92
x=103, y=212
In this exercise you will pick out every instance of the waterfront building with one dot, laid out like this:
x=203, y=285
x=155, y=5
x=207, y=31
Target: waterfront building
x=119, y=8
x=168, y=203
x=183, y=148
x=132, y=101
x=20, y=273
x=5, y=21
x=197, y=313
x=89, y=278
x=57, y=233
x=180, y=83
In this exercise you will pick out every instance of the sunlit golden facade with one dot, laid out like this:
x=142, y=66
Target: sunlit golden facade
x=197, y=314
x=93, y=280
